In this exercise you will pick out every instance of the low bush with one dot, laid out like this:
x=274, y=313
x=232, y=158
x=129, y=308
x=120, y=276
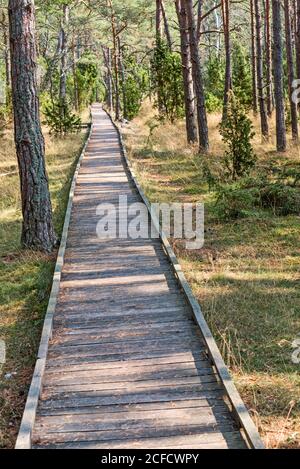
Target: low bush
x=245, y=198
x=282, y=199
x=234, y=202
x=60, y=118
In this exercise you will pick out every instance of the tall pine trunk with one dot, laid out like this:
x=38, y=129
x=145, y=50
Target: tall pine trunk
x=115, y=60
x=298, y=39
x=37, y=228
x=63, y=56
x=269, y=61
x=189, y=95
x=123, y=79
x=166, y=25
x=253, y=60
x=75, y=81
x=159, y=21
x=198, y=79
x=278, y=76
x=158, y=36
x=290, y=65
x=259, y=69
x=228, y=77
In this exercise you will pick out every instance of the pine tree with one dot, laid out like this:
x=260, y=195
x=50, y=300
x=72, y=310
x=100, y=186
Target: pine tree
x=37, y=227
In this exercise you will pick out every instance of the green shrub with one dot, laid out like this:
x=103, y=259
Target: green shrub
x=282, y=199
x=249, y=195
x=60, y=118
x=235, y=202
x=213, y=103
x=167, y=82
x=237, y=133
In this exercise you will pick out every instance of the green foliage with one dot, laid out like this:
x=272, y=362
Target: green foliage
x=237, y=133
x=136, y=86
x=241, y=75
x=213, y=103
x=244, y=198
x=235, y=202
x=87, y=79
x=60, y=119
x=167, y=82
x=214, y=74
x=282, y=199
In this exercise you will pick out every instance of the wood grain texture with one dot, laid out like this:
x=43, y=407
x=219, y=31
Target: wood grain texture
x=127, y=366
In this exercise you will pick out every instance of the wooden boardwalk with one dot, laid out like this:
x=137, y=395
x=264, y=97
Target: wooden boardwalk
x=127, y=366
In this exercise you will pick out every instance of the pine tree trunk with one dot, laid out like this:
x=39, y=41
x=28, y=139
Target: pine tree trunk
x=117, y=101
x=269, y=61
x=198, y=79
x=63, y=56
x=166, y=25
x=290, y=65
x=199, y=19
x=75, y=83
x=278, y=76
x=159, y=33
x=159, y=22
x=259, y=69
x=228, y=77
x=189, y=95
x=253, y=60
x=298, y=40
x=37, y=229
x=123, y=80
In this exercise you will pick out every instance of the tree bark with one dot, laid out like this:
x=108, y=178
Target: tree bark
x=63, y=55
x=228, y=77
x=37, y=228
x=253, y=60
x=290, y=65
x=115, y=60
x=75, y=82
x=269, y=61
x=278, y=76
x=166, y=25
x=298, y=40
x=159, y=21
x=189, y=95
x=259, y=69
x=123, y=80
x=199, y=18
x=198, y=79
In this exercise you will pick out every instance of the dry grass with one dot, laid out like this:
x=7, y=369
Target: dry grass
x=25, y=276
x=246, y=277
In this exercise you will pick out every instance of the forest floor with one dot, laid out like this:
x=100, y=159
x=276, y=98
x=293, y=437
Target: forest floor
x=26, y=276
x=247, y=275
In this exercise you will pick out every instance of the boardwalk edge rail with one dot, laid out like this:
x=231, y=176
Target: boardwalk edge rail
x=239, y=409
x=29, y=415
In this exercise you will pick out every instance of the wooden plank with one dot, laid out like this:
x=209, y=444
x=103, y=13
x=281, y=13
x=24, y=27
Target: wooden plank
x=199, y=405
x=99, y=400
x=125, y=375
x=148, y=363
x=150, y=418
x=224, y=440
x=204, y=382
x=124, y=357
x=144, y=337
